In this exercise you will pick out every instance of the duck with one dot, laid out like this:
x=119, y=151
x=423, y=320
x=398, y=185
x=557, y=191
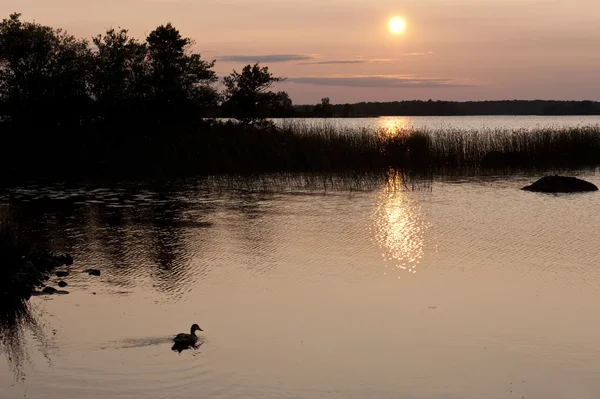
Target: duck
x=190, y=339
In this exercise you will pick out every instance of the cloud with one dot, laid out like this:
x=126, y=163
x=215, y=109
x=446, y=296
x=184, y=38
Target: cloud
x=334, y=62
x=379, y=81
x=272, y=58
x=362, y=60
x=382, y=60
x=418, y=54
x=307, y=58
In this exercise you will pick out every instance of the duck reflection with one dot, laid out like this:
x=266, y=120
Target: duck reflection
x=399, y=226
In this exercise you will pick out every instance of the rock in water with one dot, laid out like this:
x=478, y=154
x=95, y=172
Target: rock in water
x=49, y=290
x=62, y=284
x=62, y=273
x=92, y=272
x=560, y=184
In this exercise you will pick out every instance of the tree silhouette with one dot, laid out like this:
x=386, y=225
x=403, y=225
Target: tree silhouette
x=279, y=104
x=120, y=75
x=348, y=111
x=43, y=74
x=247, y=98
x=180, y=80
x=325, y=109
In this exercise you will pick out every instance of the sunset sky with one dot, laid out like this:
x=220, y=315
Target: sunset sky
x=343, y=49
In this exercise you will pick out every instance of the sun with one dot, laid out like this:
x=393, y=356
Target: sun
x=397, y=25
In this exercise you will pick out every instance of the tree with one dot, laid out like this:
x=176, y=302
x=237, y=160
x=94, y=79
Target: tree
x=348, y=111
x=120, y=66
x=247, y=97
x=120, y=75
x=324, y=109
x=181, y=80
x=43, y=74
x=279, y=104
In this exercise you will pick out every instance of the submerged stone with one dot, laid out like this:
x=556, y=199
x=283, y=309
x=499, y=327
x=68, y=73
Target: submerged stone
x=560, y=184
x=92, y=272
x=68, y=260
x=62, y=284
x=62, y=273
x=49, y=290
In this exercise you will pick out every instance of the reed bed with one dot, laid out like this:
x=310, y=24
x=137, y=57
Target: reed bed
x=452, y=149
x=227, y=148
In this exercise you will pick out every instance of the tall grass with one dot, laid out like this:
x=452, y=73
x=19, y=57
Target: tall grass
x=226, y=148
x=436, y=151
x=521, y=149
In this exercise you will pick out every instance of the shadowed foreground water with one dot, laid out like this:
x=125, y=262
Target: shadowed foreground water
x=466, y=288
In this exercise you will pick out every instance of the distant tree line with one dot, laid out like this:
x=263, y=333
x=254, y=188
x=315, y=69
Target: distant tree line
x=448, y=108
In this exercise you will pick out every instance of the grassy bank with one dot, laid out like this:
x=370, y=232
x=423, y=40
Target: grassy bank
x=225, y=148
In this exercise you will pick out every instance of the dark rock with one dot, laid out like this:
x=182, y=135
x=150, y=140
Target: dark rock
x=560, y=184
x=92, y=272
x=62, y=273
x=49, y=290
x=68, y=260
x=62, y=284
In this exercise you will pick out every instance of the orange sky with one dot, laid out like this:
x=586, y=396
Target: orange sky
x=452, y=49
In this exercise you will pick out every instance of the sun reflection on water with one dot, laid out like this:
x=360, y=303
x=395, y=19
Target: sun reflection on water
x=394, y=127
x=399, y=227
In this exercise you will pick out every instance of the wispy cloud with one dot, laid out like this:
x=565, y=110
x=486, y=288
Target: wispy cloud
x=363, y=60
x=418, y=54
x=333, y=62
x=355, y=61
x=273, y=58
x=379, y=81
x=382, y=60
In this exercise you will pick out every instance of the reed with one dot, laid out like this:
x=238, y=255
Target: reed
x=226, y=148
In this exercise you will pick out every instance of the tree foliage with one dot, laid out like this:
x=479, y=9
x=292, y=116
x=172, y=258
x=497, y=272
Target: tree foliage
x=40, y=69
x=119, y=79
x=119, y=70
x=180, y=80
x=50, y=79
x=324, y=109
x=247, y=97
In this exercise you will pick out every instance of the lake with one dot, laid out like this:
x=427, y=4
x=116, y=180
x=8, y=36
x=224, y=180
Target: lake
x=500, y=122
x=312, y=287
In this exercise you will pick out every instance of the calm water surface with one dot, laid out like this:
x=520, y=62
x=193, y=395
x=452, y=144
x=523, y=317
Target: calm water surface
x=463, y=288
x=481, y=123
